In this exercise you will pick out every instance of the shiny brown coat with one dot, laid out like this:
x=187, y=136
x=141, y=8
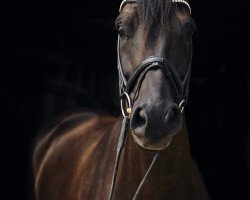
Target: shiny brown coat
x=74, y=161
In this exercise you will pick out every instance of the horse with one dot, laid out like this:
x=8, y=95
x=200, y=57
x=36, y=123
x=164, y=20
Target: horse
x=144, y=153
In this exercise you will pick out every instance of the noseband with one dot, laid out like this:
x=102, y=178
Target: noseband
x=179, y=88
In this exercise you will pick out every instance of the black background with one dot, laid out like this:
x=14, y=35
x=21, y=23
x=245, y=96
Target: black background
x=59, y=56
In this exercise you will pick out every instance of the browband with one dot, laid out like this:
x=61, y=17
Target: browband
x=173, y=1
x=125, y=2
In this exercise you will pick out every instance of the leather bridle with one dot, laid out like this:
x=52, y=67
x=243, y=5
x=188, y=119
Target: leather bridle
x=179, y=88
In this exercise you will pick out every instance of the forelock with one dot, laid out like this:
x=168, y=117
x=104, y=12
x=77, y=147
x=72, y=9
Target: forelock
x=154, y=13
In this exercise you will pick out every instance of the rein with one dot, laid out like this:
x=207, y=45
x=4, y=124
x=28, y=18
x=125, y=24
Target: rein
x=179, y=88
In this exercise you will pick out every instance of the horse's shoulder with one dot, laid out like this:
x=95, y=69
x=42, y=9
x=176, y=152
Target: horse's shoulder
x=82, y=125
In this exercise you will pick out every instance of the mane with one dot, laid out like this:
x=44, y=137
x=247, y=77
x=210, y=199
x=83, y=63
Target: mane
x=154, y=13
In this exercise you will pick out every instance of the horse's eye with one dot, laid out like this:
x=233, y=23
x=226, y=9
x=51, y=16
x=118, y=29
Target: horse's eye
x=120, y=30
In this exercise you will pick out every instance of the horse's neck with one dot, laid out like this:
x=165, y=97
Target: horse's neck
x=173, y=165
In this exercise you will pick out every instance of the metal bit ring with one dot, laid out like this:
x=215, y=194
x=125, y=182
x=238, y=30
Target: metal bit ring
x=126, y=106
x=182, y=105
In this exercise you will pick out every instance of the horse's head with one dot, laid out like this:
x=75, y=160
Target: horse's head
x=154, y=57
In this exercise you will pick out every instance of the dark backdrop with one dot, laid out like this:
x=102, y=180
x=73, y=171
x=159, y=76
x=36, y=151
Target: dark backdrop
x=60, y=56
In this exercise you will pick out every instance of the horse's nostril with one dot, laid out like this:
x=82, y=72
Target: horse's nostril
x=173, y=118
x=138, y=121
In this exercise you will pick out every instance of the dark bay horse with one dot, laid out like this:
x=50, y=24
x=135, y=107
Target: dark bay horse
x=77, y=158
